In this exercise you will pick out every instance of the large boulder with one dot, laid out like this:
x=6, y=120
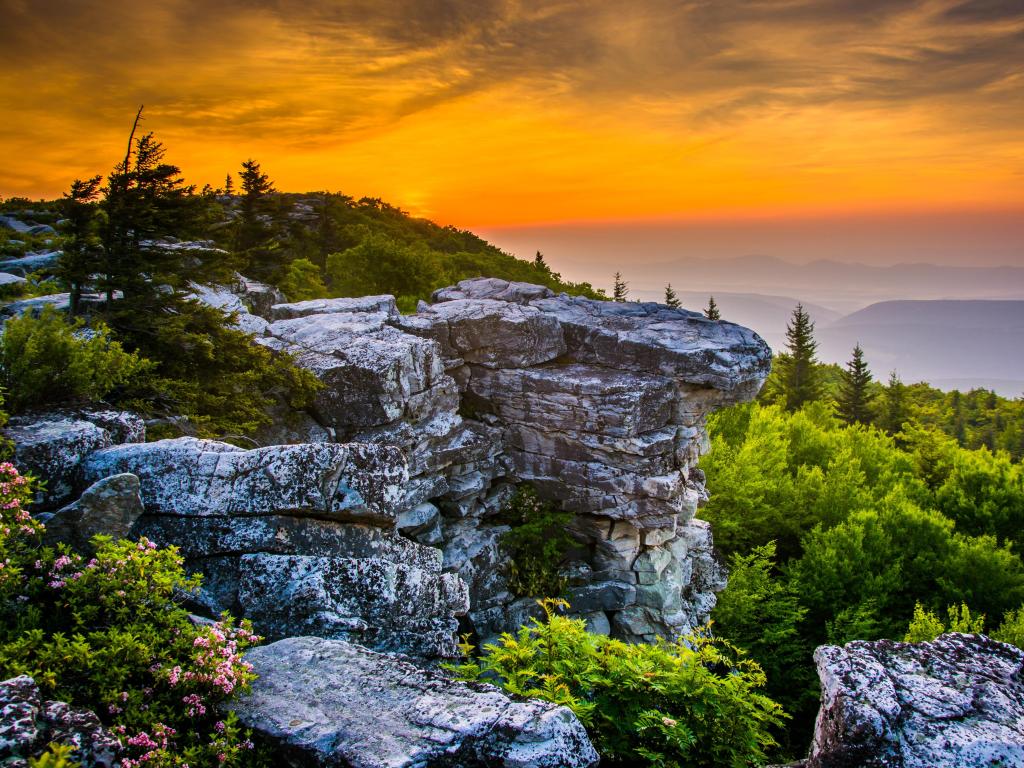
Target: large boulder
x=191, y=477
x=53, y=446
x=110, y=506
x=956, y=702
x=330, y=703
x=28, y=725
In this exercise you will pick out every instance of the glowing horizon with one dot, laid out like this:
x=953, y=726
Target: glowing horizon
x=508, y=114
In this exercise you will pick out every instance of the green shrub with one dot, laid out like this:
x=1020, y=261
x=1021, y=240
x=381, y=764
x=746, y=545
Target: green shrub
x=47, y=360
x=109, y=635
x=536, y=545
x=926, y=626
x=302, y=281
x=694, y=702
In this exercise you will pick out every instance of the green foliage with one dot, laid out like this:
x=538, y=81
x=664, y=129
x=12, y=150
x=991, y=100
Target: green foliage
x=46, y=360
x=302, y=281
x=759, y=611
x=866, y=526
x=212, y=374
x=381, y=264
x=55, y=756
x=855, y=391
x=536, y=545
x=694, y=702
x=1012, y=629
x=109, y=635
x=797, y=378
x=926, y=626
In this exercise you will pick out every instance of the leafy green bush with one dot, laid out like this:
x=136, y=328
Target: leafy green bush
x=109, y=635
x=47, y=360
x=536, y=545
x=302, y=281
x=694, y=702
x=926, y=626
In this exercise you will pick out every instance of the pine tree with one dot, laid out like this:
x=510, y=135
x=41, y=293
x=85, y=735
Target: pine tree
x=671, y=300
x=712, y=313
x=80, y=256
x=894, y=405
x=229, y=184
x=538, y=261
x=252, y=238
x=854, y=390
x=621, y=289
x=799, y=374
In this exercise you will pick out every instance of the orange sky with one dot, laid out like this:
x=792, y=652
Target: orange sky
x=490, y=113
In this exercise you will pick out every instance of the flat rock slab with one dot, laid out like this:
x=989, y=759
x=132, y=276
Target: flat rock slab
x=191, y=477
x=957, y=701
x=331, y=703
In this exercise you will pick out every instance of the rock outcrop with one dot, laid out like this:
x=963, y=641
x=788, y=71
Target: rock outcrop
x=956, y=702
x=328, y=702
x=28, y=725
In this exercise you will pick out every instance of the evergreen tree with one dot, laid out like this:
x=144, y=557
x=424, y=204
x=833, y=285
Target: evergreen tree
x=620, y=291
x=711, y=313
x=894, y=405
x=229, y=184
x=82, y=251
x=854, y=393
x=538, y=261
x=799, y=374
x=671, y=300
x=253, y=236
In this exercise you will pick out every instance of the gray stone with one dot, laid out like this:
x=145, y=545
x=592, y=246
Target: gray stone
x=381, y=604
x=110, y=506
x=35, y=306
x=494, y=334
x=493, y=288
x=9, y=281
x=258, y=297
x=602, y=596
x=329, y=703
x=53, y=446
x=191, y=477
x=32, y=262
x=28, y=725
x=956, y=702
x=363, y=304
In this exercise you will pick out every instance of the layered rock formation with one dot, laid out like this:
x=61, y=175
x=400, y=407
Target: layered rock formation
x=378, y=525
x=956, y=702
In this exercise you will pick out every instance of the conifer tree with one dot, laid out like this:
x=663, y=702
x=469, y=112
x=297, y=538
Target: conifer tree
x=671, y=300
x=254, y=232
x=229, y=184
x=620, y=291
x=798, y=372
x=712, y=313
x=81, y=253
x=538, y=261
x=894, y=405
x=854, y=390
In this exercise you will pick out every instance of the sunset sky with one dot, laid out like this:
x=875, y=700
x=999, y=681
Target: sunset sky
x=504, y=115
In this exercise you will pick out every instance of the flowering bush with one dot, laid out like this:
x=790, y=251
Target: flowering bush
x=109, y=634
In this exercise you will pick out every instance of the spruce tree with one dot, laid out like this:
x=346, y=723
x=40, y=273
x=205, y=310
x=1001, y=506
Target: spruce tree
x=711, y=313
x=253, y=235
x=538, y=261
x=81, y=253
x=799, y=374
x=620, y=291
x=894, y=405
x=671, y=300
x=854, y=390
x=229, y=185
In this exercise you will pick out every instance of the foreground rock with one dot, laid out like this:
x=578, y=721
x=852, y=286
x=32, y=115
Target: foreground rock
x=28, y=725
x=957, y=702
x=330, y=703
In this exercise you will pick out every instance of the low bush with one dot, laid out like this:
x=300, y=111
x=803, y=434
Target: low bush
x=47, y=360
x=694, y=702
x=109, y=634
x=536, y=545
